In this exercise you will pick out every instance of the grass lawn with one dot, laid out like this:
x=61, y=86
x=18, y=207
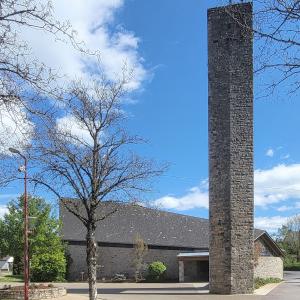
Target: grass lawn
x=11, y=278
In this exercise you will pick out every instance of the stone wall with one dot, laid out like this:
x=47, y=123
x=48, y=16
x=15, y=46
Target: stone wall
x=119, y=260
x=230, y=74
x=34, y=294
x=113, y=260
x=269, y=266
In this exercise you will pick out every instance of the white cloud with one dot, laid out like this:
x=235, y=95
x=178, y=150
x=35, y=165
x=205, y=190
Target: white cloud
x=271, y=186
x=94, y=22
x=15, y=128
x=284, y=208
x=3, y=210
x=286, y=156
x=289, y=207
x=271, y=224
x=278, y=184
x=197, y=197
x=72, y=126
x=270, y=153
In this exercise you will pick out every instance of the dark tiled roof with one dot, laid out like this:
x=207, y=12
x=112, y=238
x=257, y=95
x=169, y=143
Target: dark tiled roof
x=156, y=227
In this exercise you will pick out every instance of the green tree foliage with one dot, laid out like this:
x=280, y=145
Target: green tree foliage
x=288, y=238
x=156, y=271
x=46, y=249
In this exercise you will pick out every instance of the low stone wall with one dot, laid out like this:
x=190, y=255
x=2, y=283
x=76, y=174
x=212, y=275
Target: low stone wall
x=269, y=266
x=34, y=294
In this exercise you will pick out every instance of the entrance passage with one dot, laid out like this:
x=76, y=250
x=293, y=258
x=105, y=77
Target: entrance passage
x=193, y=267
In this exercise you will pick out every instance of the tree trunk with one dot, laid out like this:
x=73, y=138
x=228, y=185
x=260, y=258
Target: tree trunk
x=91, y=258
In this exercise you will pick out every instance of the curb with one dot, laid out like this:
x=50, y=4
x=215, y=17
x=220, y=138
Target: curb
x=266, y=289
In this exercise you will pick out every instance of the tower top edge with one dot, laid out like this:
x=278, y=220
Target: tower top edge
x=245, y=5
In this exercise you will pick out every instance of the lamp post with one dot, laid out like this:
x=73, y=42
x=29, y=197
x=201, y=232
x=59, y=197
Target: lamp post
x=26, y=256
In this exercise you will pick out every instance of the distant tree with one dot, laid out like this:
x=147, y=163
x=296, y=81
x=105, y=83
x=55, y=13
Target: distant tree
x=289, y=237
x=46, y=249
x=140, y=251
x=292, y=237
x=88, y=155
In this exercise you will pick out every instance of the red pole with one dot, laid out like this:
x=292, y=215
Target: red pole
x=26, y=256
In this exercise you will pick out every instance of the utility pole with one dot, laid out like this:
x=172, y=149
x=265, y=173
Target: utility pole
x=26, y=255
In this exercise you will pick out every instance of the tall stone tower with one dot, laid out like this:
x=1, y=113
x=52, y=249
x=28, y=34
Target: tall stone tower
x=230, y=73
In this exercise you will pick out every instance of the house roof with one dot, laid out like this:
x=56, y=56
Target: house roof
x=5, y=261
x=9, y=259
x=156, y=227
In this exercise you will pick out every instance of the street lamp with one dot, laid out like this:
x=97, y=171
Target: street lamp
x=26, y=256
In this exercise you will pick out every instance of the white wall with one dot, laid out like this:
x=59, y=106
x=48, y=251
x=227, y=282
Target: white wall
x=269, y=266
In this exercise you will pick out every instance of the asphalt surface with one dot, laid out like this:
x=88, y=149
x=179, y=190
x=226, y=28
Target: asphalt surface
x=289, y=290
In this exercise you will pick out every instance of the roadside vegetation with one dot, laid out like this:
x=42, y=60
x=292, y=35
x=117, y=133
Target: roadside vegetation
x=11, y=278
x=259, y=282
x=291, y=264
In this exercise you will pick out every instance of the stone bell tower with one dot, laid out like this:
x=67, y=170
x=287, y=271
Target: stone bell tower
x=230, y=74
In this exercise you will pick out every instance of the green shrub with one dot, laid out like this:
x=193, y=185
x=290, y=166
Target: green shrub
x=156, y=271
x=294, y=266
x=259, y=282
x=291, y=264
x=48, y=267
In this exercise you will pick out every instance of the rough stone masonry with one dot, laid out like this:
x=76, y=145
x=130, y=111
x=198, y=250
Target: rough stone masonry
x=230, y=74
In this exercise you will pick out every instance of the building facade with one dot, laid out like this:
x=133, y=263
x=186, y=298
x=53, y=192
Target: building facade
x=181, y=242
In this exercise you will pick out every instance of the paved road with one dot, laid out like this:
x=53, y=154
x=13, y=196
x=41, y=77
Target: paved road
x=289, y=290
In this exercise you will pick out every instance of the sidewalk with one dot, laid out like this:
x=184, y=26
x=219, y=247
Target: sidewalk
x=147, y=291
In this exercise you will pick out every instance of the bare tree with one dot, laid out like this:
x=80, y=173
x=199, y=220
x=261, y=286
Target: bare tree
x=87, y=154
x=277, y=32
x=140, y=250
x=22, y=75
x=25, y=82
x=277, y=44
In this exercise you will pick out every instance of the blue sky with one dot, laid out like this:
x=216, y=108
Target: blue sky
x=168, y=42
